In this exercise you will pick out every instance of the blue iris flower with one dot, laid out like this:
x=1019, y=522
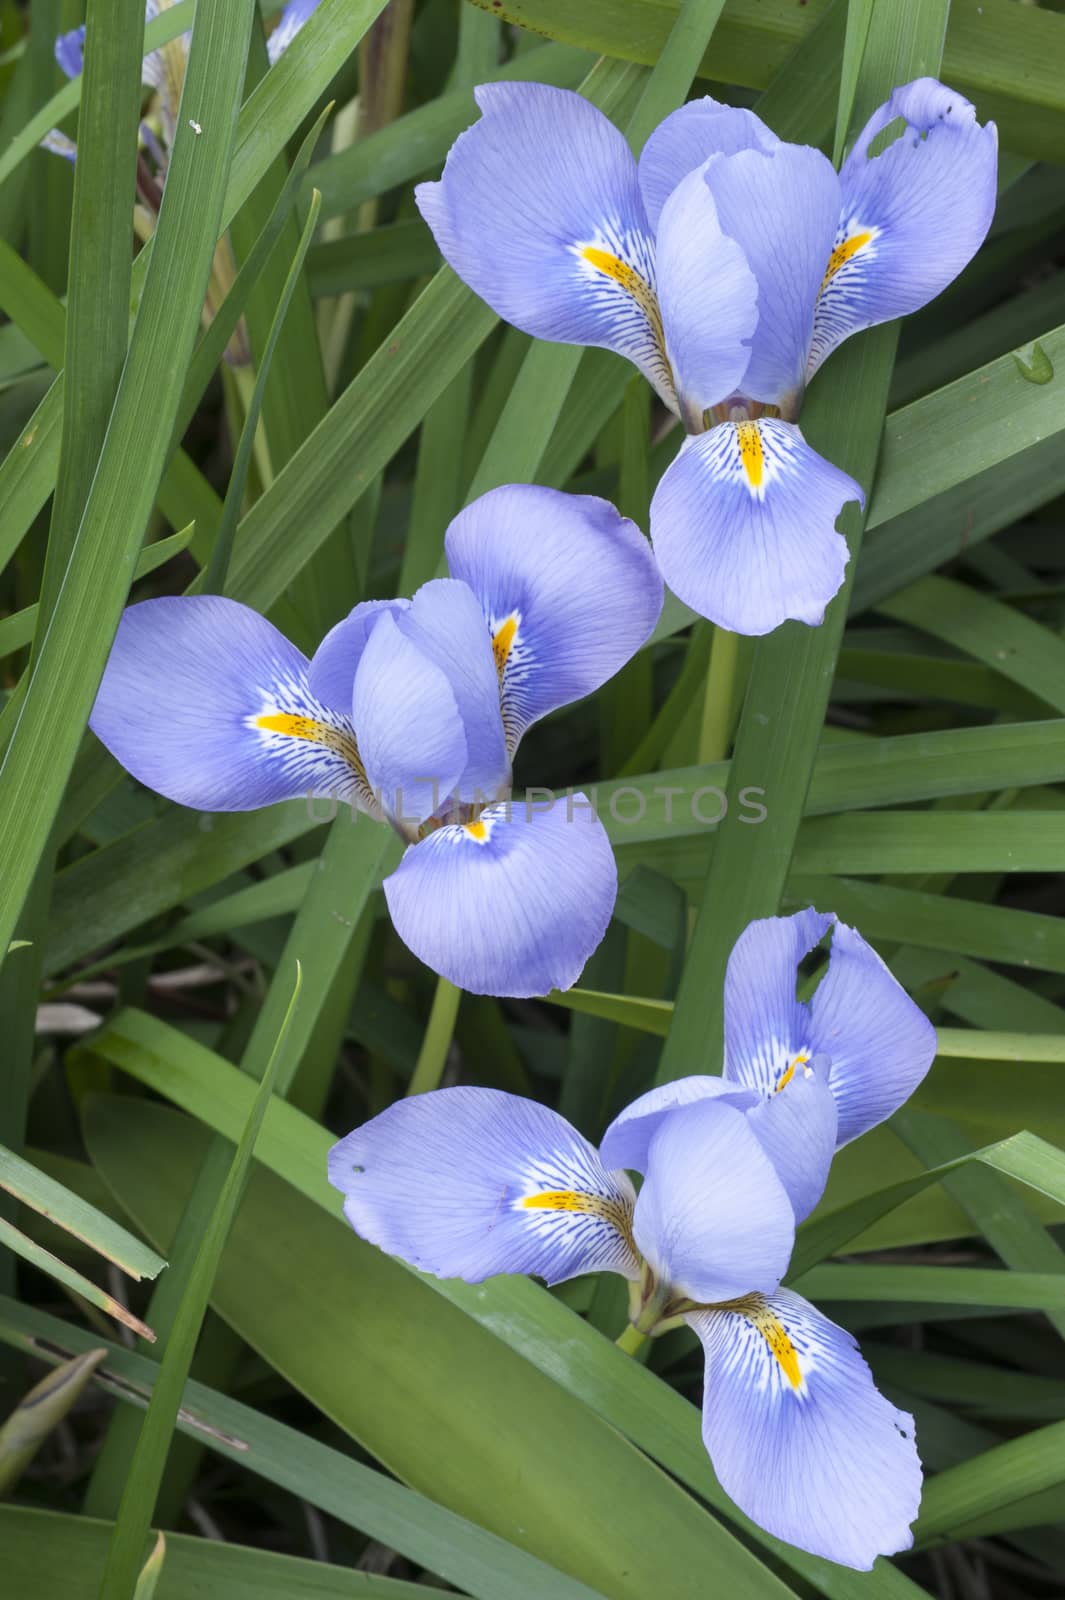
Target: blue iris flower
x=411, y=711
x=727, y=265
x=469, y=1182
x=164, y=71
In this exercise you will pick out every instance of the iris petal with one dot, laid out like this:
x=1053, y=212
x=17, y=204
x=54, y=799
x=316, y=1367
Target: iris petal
x=331, y=673
x=291, y=20
x=911, y=218
x=712, y=1219
x=410, y=732
x=879, y=1042
x=628, y=1138
x=685, y=140
x=799, y=1435
x=467, y=1183
x=70, y=52
x=782, y=208
x=569, y=589
x=709, y=298
x=765, y=1025
x=796, y=1128
x=205, y=702
x=512, y=904
x=539, y=211
x=743, y=526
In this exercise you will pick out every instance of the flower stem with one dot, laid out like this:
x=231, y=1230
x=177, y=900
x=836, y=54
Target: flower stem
x=437, y=1041
x=715, y=734
x=631, y=1340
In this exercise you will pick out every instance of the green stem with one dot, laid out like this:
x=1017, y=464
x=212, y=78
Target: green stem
x=437, y=1041
x=715, y=734
x=631, y=1340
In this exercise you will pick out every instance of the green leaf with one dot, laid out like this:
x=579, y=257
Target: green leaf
x=408, y=1355
x=124, y=1556
x=67, y=1210
x=38, y=1412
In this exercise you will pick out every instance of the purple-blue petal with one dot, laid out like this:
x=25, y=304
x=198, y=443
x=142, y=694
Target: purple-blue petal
x=467, y=1183
x=331, y=673
x=687, y=138
x=513, y=904
x=766, y=1027
x=879, y=1042
x=410, y=733
x=743, y=525
x=207, y=703
x=70, y=52
x=800, y=1437
x=291, y=20
x=628, y=1138
x=568, y=587
x=539, y=211
x=911, y=217
x=712, y=1219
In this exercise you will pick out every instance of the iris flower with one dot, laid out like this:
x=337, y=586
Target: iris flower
x=411, y=711
x=727, y=265
x=164, y=71
x=470, y=1182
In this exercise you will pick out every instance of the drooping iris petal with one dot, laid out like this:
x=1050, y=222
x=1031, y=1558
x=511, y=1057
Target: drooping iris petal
x=879, y=1042
x=782, y=208
x=911, y=217
x=539, y=211
x=766, y=1027
x=331, y=673
x=291, y=20
x=70, y=52
x=796, y=1128
x=446, y=623
x=467, y=1183
x=205, y=702
x=709, y=298
x=799, y=1435
x=743, y=526
x=628, y=1138
x=569, y=589
x=712, y=1219
x=512, y=904
x=685, y=140
x=410, y=732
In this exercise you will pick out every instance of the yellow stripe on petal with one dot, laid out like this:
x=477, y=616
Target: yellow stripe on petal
x=615, y=1212
x=749, y=438
x=503, y=641
x=844, y=253
x=789, y=1071
x=478, y=831
x=634, y=284
x=776, y=1337
x=297, y=727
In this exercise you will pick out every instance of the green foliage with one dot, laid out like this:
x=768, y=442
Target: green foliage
x=307, y=1394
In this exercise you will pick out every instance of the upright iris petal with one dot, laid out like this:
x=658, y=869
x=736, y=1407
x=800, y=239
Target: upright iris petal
x=798, y=1433
x=685, y=140
x=568, y=588
x=539, y=211
x=874, y=1043
x=911, y=217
